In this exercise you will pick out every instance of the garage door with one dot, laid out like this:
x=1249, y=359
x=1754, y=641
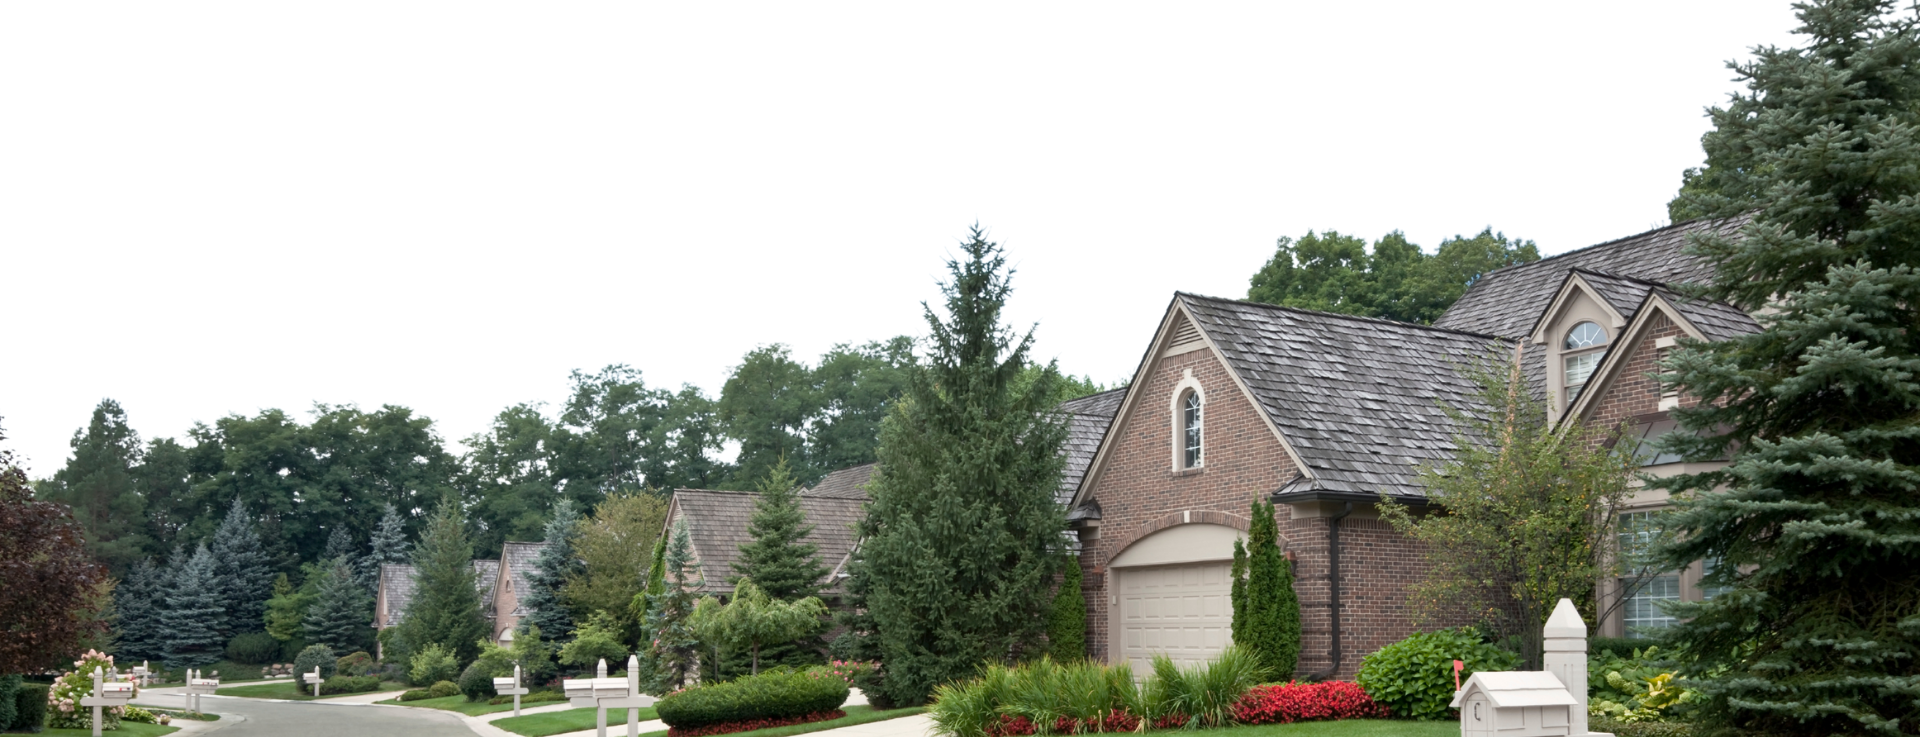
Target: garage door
x=1185, y=611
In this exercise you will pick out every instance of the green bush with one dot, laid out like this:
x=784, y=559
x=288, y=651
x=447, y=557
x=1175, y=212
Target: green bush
x=349, y=684
x=1205, y=694
x=431, y=665
x=444, y=689
x=770, y=695
x=1640, y=687
x=313, y=656
x=9, y=686
x=476, y=682
x=30, y=707
x=253, y=648
x=1639, y=729
x=393, y=648
x=1043, y=692
x=357, y=664
x=1619, y=647
x=416, y=695
x=133, y=713
x=1413, y=678
x=290, y=649
x=532, y=698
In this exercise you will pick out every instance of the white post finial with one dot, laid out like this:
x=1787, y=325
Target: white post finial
x=633, y=692
x=601, y=671
x=1564, y=641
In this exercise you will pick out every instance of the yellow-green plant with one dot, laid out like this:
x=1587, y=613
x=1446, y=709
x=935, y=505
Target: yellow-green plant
x=752, y=620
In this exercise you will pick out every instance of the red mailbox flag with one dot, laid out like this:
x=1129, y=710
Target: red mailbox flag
x=1457, y=665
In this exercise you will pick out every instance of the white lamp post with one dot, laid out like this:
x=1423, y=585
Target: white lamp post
x=313, y=678
x=605, y=693
x=197, y=687
x=106, y=695
x=510, y=687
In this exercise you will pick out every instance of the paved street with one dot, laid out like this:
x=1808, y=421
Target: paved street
x=259, y=718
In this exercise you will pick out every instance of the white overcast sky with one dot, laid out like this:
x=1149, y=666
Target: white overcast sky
x=211, y=208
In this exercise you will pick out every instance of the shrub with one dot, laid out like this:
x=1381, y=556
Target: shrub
x=393, y=648
x=1639, y=729
x=1202, y=695
x=1306, y=702
x=1413, y=678
x=313, y=656
x=433, y=664
x=532, y=698
x=357, y=664
x=344, y=684
x=1619, y=647
x=30, y=707
x=443, y=689
x=779, y=694
x=137, y=714
x=290, y=649
x=751, y=724
x=9, y=688
x=253, y=648
x=476, y=682
x=1071, y=697
x=1641, y=687
x=67, y=691
x=416, y=695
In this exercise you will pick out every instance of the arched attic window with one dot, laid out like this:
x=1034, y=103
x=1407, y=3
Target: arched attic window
x=1580, y=355
x=1190, y=429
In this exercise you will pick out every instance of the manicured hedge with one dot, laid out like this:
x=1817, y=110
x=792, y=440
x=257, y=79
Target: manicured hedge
x=778, y=694
x=349, y=684
x=443, y=689
x=30, y=707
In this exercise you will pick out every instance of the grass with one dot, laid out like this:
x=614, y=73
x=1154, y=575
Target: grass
x=290, y=691
x=556, y=722
x=1343, y=728
x=855, y=715
x=476, y=708
x=127, y=729
x=230, y=672
x=181, y=714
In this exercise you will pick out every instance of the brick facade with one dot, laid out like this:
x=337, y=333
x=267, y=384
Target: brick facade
x=1633, y=391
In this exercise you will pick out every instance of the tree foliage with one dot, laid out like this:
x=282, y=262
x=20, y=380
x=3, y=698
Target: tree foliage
x=751, y=620
x=1067, y=623
x=777, y=558
x=287, y=608
x=98, y=484
x=547, y=611
x=1395, y=279
x=1527, y=511
x=341, y=610
x=670, y=642
x=1271, y=629
x=1814, y=526
x=48, y=582
x=389, y=546
x=194, y=613
x=241, y=573
x=818, y=419
x=613, y=547
x=138, y=602
x=445, y=609
x=960, y=541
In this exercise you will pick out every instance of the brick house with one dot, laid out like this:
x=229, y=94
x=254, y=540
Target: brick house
x=499, y=595
x=1322, y=413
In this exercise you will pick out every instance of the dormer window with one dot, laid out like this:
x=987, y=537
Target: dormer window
x=1190, y=424
x=1581, y=355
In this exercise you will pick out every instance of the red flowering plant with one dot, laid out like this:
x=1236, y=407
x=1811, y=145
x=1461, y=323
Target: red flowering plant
x=1305, y=702
x=748, y=725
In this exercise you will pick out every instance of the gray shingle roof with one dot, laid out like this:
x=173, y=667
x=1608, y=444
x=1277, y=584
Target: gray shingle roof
x=1716, y=320
x=846, y=483
x=485, y=581
x=1625, y=294
x=518, y=559
x=1357, y=398
x=1087, y=421
x=396, y=585
x=717, y=524
x=1508, y=301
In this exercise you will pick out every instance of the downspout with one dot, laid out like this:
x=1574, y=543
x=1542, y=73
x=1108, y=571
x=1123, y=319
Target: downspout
x=1333, y=589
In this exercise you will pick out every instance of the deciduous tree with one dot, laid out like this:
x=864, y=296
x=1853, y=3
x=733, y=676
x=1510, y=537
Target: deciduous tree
x=48, y=582
x=613, y=547
x=1395, y=279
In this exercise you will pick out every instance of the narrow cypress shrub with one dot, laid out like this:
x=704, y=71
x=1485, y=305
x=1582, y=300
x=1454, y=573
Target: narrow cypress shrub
x=1067, y=625
x=1239, y=595
x=1273, y=610
x=9, y=687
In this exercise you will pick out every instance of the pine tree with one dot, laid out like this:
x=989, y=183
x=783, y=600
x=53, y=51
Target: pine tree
x=341, y=611
x=672, y=649
x=287, y=609
x=777, y=560
x=1272, y=610
x=1239, y=592
x=138, y=602
x=340, y=545
x=960, y=542
x=191, y=622
x=389, y=546
x=242, y=574
x=1067, y=623
x=445, y=609
x=1814, y=526
x=97, y=483
x=551, y=569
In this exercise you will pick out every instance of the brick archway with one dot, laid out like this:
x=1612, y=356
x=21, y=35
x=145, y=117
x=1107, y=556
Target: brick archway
x=1183, y=517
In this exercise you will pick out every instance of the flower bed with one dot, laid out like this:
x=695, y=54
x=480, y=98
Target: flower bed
x=1306, y=702
x=752, y=724
x=63, y=698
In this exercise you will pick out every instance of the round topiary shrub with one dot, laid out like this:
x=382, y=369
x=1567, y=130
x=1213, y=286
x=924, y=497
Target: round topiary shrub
x=253, y=648
x=357, y=664
x=1413, y=678
x=477, y=682
x=319, y=656
x=444, y=689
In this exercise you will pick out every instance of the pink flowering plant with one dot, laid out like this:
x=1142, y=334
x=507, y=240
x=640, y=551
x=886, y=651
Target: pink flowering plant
x=63, y=698
x=848, y=670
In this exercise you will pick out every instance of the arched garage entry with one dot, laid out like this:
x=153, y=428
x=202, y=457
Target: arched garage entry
x=1172, y=594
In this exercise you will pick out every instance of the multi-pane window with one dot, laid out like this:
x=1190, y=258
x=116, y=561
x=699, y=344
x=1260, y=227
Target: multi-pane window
x=1190, y=422
x=1642, y=609
x=1636, y=534
x=1586, y=337
x=1708, y=591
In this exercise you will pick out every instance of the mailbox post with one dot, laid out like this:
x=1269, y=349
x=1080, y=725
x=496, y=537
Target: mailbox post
x=197, y=687
x=106, y=695
x=605, y=693
x=141, y=675
x=313, y=678
x=510, y=687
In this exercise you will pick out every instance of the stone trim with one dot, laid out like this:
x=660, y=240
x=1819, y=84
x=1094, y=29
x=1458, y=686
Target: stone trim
x=1175, y=519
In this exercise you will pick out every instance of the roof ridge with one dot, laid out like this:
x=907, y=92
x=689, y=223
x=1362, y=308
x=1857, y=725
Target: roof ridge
x=1610, y=275
x=717, y=491
x=1323, y=313
x=1696, y=222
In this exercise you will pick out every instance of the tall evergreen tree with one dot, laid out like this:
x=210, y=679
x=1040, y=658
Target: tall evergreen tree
x=242, y=573
x=138, y=603
x=778, y=560
x=389, y=546
x=961, y=538
x=672, y=650
x=340, y=545
x=1272, y=610
x=287, y=609
x=1238, y=596
x=445, y=609
x=1067, y=623
x=194, y=613
x=1814, y=526
x=341, y=610
x=546, y=607
x=97, y=483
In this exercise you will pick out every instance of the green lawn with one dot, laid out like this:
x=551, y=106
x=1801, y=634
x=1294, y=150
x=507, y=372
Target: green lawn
x=474, y=708
x=127, y=729
x=290, y=691
x=855, y=715
x=571, y=720
x=1344, y=728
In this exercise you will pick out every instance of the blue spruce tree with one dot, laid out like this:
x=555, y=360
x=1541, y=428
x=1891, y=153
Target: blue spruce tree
x=190, y=625
x=243, y=578
x=555, y=564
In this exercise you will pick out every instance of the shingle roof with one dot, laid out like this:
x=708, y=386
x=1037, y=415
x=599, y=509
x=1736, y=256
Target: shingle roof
x=486, y=578
x=1506, y=302
x=717, y=524
x=1625, y=294
x=1087, y=421
x=1357, y=398
x=518, y=558
x=396, y=585
x=1716, y=320
x=846, y=483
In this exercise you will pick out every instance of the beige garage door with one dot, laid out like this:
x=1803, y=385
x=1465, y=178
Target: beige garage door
x=1185, y=611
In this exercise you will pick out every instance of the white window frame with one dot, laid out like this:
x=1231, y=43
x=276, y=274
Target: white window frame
x=1187, y=386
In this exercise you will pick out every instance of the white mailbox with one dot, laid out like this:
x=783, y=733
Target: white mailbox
x=605, y=693
x=313, y=678
x=106, y=695
x=198, y=687
x=1534, y=703
x=510, y=687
